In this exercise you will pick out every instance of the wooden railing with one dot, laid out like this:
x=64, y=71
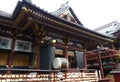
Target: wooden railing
x=35, y=75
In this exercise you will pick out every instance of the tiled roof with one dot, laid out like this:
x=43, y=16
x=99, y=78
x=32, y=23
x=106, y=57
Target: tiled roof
x=113, y=23
x=2, y=13
x=62, y=9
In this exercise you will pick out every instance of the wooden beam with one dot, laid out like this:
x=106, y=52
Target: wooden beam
x=20, y=16
x=30, y=20
x=39, y=31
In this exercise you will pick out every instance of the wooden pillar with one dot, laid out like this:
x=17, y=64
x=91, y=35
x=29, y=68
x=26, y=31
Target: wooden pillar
x=100, y=63
x=66, y=47
x=39, y=40
x=11, y=55
x=66, y=52
x=38, y=56
x=85, y=59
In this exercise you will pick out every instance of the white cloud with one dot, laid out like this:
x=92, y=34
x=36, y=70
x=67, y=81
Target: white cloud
x=8, y=5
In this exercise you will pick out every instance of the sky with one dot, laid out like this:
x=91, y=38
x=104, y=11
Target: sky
x=92, y=13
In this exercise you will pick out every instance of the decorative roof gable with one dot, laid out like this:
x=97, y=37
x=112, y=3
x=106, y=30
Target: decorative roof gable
x=66, y=12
